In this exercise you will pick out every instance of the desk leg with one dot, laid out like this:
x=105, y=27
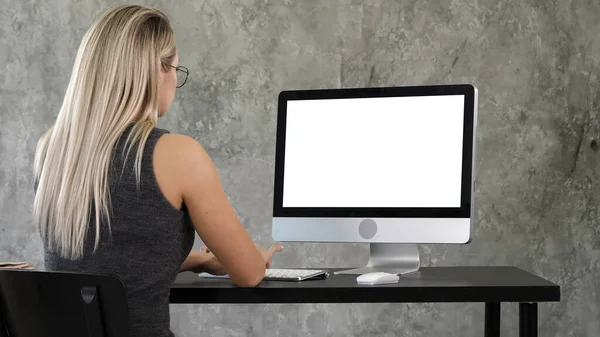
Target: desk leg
x=528, y=313
x=492, y=319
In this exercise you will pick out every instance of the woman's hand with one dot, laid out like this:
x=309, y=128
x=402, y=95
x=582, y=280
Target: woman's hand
x=211, y=264
x=268, y=254
x=203, y=261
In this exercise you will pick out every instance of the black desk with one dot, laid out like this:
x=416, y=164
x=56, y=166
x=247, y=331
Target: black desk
x=489, y=285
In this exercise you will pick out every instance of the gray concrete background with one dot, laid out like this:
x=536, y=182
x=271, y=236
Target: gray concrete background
x=535, y=62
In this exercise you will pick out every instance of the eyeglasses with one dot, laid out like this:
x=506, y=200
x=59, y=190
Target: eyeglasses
x=182, y=74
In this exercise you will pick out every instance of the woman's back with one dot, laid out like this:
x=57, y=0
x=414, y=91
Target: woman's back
x=148, y=240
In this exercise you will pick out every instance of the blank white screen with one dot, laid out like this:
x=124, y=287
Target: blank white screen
x=374, y=152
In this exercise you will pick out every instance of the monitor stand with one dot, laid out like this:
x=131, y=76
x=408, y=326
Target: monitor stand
x=393, y=258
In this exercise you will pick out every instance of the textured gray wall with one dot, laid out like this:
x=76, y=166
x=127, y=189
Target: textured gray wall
x=536, y=65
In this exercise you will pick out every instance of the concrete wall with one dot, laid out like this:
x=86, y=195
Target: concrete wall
x=536, y=66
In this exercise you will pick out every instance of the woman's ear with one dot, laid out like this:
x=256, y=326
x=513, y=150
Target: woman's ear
x=163, y=68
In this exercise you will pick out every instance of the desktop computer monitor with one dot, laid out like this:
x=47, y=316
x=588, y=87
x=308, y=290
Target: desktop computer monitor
x=391, y=166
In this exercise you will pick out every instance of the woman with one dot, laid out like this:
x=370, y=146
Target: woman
x=115, y=194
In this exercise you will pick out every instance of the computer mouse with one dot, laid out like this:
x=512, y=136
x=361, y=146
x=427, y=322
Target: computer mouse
x=377, y=278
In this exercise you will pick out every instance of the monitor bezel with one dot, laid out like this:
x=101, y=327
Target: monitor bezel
x=464, y=211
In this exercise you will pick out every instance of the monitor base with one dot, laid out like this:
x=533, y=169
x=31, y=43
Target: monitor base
x=393, y=258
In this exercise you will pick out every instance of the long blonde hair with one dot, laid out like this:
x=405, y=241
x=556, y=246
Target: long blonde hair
x=114, y=83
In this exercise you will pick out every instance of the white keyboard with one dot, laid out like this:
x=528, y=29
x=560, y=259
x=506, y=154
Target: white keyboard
x=283, y=274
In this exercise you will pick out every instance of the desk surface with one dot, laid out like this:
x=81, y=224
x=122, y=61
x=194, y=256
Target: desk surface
x=430, y=284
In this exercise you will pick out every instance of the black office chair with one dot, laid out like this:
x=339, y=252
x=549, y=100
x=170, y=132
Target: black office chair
x=58, y=304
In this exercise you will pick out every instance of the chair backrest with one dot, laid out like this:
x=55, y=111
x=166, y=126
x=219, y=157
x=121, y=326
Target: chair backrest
x=48, y=304
x=3, y=332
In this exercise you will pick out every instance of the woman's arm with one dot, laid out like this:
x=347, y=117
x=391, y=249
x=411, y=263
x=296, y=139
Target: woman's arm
x=192, y=171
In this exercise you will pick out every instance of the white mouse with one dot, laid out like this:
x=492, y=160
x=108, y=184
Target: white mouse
x=377, y=278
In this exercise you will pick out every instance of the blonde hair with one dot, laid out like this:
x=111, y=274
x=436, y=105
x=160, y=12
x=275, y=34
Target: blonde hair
x=114, y=83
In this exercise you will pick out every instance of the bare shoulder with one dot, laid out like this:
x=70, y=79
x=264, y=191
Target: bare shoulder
x=180, y=149
x=180, y=163
x=178, y=142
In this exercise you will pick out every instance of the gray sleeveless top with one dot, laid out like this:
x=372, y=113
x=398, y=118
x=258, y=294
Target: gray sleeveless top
x=149, y=241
